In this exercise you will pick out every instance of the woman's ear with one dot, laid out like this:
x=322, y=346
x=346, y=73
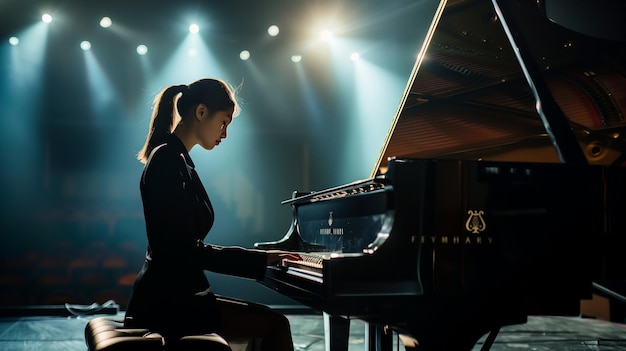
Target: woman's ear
x=201, y=111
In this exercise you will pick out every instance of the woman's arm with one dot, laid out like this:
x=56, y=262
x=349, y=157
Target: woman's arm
x=242, y=262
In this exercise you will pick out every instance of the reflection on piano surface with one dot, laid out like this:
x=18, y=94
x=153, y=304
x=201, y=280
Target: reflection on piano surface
x=496, y=195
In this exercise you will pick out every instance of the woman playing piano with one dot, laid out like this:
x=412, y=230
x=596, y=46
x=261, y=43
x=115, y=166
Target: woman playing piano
x=171, y=294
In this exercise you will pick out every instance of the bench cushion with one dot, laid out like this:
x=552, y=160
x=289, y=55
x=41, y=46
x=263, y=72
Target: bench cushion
x=108, y=334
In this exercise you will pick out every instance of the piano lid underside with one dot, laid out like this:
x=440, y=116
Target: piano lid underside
x=470, y=100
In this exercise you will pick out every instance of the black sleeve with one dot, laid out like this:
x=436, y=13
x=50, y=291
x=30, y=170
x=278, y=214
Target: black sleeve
x=234, y=260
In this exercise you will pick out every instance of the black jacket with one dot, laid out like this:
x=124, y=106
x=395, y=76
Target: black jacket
x=171, y=293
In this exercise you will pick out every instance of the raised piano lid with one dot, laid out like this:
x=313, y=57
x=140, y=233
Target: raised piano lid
x=474, y=90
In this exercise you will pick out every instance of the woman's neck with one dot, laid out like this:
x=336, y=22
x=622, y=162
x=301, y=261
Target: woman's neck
x=185, y=135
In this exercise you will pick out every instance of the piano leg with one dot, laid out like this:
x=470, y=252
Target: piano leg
x=336, y=332
x=378, y=338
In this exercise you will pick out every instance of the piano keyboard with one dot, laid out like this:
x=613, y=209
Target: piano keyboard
x=309, y=261
x=310, y=267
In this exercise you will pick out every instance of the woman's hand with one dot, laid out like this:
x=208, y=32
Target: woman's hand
x=274, y=257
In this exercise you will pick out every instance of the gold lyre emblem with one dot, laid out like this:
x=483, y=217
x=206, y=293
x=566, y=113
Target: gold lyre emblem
x=475, y=222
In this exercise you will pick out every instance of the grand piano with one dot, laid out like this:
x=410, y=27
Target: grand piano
x=497, y=195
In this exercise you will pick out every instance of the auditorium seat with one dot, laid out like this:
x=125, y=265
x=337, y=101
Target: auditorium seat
x=109, y=334
x=115, y=266
x=127, y=279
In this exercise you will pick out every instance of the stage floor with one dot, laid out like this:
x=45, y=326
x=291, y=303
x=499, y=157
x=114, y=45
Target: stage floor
x=34, y=333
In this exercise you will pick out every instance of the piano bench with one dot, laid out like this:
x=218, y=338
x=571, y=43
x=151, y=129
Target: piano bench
x=107, y=334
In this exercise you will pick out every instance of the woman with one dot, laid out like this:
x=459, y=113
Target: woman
x=171, y=294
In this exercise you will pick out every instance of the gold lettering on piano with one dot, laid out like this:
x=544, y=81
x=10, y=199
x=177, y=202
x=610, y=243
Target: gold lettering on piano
x=456, y=239
x=475, y=226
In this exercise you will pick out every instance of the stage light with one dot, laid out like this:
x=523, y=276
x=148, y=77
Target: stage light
x=142, y=49
x=106, y=22
x=273, y=30
x=296, y=58
x=194, y=28
x=355, y=56
x=85, y=45
x=46, y=18
x=191, y=58
x=244, y=55
x=326, y=35
x=14, y=41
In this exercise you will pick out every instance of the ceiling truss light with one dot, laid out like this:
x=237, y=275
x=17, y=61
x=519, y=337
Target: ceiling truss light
x=273, y=30
x=106, y=22
x=142, y=49
x=85, y=45
x=327, y=35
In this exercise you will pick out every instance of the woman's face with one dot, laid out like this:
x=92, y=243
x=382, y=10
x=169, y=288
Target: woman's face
x=212, y=128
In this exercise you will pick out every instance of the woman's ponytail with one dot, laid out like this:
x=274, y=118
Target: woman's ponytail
x=162, y=120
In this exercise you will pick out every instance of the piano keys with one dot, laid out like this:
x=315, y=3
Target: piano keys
x=495, y=196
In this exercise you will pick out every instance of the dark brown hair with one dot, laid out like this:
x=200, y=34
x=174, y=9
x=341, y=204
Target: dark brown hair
x=216, y=94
